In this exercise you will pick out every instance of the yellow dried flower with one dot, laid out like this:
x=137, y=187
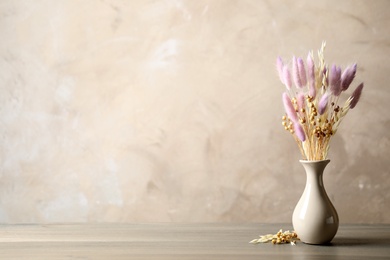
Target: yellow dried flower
x=281, y=237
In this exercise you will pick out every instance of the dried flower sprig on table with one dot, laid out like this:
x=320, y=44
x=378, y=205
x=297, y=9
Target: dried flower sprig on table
x=313, y=114
x=279, y=238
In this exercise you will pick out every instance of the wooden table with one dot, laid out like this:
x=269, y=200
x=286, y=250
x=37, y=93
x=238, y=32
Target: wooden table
x=182, y=241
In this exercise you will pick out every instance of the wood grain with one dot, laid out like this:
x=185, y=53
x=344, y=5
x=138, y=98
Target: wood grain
x=182, y=241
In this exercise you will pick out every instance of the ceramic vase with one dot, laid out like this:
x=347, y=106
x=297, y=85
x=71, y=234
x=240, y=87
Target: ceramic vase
x=315, y=219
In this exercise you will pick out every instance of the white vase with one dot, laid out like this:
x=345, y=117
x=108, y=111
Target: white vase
x=315, y=219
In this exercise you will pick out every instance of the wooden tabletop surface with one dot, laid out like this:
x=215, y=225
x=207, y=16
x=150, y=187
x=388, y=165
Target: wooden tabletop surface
x=182, y=241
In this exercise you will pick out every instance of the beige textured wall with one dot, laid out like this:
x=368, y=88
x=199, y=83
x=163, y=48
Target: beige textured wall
x=171, y=110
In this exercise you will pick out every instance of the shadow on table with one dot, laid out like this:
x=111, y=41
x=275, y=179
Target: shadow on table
x=350, y=241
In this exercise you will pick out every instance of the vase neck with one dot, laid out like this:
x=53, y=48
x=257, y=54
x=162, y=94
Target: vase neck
x=314, y=171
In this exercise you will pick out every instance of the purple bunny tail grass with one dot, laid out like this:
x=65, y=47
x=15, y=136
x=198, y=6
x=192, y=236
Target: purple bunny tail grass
x=301, y=101
x=348, y=76
x=287, y=77
x=295, y=72
x=339, y=76
x=288, y=106
x=299, y=132
x=356, y=95
x=322, y=105
x=312, y=91
x=279, y=67
x=311, y=75
x=335, y=80
x=302, y=71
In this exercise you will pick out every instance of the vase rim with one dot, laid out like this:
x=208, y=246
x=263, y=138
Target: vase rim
x=314, y=161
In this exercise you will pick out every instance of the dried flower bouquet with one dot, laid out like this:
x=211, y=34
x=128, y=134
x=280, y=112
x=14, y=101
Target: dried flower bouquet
x=311, y=102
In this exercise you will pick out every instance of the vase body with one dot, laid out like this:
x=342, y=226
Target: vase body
x=315, y=219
